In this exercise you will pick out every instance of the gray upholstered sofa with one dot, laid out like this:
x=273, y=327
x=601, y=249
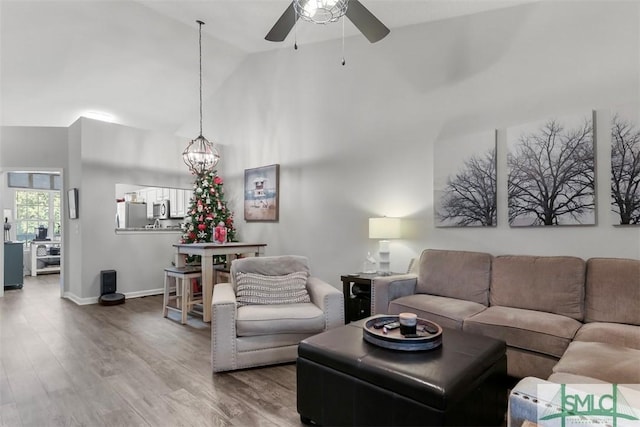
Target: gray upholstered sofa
x=563, y=319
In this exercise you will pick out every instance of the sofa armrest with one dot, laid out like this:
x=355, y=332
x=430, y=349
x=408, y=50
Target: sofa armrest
x=528, y=397
x=524, y=402
x=386, y=289
x=223, y=327
x=328, y=299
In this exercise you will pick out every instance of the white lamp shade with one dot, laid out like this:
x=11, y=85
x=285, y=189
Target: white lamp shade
x=384, y=228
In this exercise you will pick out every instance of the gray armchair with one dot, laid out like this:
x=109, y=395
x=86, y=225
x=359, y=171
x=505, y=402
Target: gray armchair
x=251, y=335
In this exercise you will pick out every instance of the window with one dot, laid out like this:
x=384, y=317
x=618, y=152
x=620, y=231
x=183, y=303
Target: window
x=34, y=209
x=37, y=180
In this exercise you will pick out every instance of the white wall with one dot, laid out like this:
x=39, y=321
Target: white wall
x=358, y=141
x=28, y=148
x=107, y=154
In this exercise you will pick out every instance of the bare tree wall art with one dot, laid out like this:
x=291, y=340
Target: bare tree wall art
x=552, y=173
x=625, y=169
x=466, y=186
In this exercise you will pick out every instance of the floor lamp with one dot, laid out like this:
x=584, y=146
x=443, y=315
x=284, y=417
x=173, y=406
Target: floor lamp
x=384, y=229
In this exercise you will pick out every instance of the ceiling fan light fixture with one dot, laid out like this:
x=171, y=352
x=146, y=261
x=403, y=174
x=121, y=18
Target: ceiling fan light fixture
x=321, y=11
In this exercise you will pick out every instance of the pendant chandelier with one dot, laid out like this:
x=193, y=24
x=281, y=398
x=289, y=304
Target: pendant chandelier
x=200, y=155
x=321, y=11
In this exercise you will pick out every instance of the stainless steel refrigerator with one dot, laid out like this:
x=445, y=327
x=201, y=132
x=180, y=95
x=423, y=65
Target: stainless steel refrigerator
x=131, y=215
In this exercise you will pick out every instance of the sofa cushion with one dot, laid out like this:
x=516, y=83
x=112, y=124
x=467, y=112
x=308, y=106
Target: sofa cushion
x=447, y=312
x=303, y=318
x=607, y=362
x=530, y=330
x=613, y=290
x=268, y=266
x=611, y=333
x=564, y=378
x=260, y=289
x=455, y=274
x=552, y=284
x=266, y=342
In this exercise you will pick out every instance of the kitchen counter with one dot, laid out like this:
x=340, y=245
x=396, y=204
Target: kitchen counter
x=140, y=230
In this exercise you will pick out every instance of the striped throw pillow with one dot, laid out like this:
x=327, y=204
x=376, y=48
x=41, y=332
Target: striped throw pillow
x=254, y=288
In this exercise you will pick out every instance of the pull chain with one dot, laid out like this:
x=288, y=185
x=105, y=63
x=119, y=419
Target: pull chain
x=295, y=33
x=343, y=60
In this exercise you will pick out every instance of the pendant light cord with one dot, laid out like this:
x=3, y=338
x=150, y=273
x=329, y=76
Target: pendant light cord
x=200, y=23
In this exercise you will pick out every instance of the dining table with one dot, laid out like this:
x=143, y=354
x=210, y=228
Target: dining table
x=207, y=251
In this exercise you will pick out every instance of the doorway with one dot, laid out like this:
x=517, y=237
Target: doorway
x=32, y=205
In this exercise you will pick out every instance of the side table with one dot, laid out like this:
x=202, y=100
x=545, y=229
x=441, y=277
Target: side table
x=357, y=305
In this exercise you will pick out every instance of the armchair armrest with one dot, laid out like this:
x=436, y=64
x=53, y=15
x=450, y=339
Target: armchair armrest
x=328, y=299
x=386, y=289
x=223, y=327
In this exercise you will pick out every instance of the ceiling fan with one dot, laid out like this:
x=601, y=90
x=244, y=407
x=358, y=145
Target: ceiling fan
x=322, y=12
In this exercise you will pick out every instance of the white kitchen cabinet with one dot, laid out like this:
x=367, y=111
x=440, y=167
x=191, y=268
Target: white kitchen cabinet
x=176, y=203
x=173, y=202
x=180, y=211
x=150, y=198
x=187, y=201
x=179, y=202
x=162, y=194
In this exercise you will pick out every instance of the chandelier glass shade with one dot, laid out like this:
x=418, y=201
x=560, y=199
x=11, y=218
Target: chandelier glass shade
x=200, y=155
x=321, y=11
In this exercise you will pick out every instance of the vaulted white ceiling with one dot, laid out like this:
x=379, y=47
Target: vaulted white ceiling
x=138, y=60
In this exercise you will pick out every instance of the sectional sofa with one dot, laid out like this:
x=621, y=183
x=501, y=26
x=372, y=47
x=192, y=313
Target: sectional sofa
x=564, y=319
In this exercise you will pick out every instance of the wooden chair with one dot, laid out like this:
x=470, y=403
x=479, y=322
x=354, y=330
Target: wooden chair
x=180, y=289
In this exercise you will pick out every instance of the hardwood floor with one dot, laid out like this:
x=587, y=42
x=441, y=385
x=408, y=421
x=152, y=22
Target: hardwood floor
x=67, y=365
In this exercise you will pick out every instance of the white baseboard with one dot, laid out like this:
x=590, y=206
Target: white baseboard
x=80, y=301
x=94, y=300
x=148, y=292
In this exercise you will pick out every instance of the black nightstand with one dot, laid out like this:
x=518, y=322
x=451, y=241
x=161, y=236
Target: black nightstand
x=356, y=290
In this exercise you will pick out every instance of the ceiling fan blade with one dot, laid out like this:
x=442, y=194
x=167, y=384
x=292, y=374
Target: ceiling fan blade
x=367, y=23
x=283, y=26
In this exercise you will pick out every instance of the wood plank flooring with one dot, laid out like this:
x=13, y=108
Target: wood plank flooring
x=67, y=365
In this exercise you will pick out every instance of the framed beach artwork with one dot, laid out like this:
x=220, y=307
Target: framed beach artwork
x=465, y=181
x=261, y=193
x=552, y=175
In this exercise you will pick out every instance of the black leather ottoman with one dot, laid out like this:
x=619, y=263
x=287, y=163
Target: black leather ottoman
x=343, y=380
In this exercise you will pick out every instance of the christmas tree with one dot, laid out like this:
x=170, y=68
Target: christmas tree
x=206, y=210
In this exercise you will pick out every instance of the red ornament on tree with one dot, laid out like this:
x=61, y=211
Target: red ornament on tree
x=202, y=227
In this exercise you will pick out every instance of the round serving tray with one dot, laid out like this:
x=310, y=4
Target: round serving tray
x=394, y=340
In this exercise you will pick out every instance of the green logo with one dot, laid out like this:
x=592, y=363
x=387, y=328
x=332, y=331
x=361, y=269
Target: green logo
x=584, y=408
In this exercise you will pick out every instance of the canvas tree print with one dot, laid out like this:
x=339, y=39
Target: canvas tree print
x=465, y=181
x=625, y=168
x=552, y=172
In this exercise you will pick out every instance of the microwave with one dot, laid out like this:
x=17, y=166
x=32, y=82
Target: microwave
x=161, y=209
